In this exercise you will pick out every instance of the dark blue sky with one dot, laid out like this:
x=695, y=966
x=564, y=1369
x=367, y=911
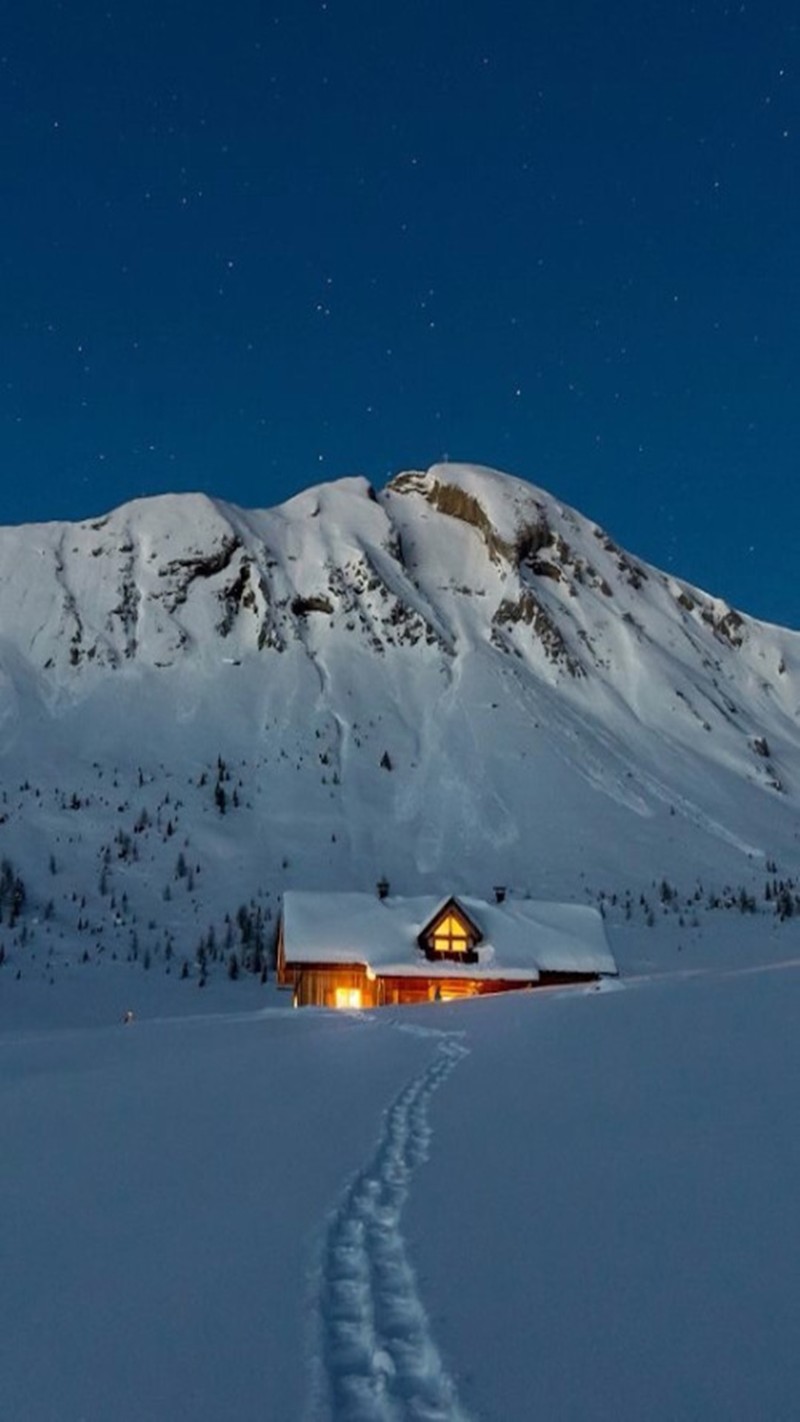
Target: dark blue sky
x=246, y=247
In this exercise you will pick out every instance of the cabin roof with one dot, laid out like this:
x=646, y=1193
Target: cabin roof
x=521, y=937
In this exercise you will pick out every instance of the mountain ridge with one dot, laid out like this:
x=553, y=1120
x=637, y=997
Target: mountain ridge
x=518, y=527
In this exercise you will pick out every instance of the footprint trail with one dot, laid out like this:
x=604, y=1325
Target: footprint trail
x=378, y=1359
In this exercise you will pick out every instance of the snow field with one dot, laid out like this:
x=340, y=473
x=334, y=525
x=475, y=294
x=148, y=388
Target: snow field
x=578, y=1205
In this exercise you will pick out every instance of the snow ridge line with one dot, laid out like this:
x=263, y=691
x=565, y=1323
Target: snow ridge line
x=379, y=1360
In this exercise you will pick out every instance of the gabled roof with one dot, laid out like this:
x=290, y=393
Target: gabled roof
x=521, y=938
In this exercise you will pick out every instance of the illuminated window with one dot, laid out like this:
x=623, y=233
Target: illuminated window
x=450, y=936
x=348, y=997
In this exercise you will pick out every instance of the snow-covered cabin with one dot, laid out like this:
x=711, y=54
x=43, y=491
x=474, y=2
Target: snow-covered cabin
x=367, y=950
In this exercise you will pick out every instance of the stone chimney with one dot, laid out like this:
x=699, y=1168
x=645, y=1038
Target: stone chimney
x=499, y=893
x=382, y=888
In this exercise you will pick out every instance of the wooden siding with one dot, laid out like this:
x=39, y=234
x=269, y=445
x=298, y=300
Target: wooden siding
x=316, y=984
x=407, y=990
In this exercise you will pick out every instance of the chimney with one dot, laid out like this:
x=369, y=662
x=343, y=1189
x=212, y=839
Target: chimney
x=499, y=893
x=382, y=887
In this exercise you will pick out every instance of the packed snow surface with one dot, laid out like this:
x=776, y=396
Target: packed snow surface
x=575, y=1204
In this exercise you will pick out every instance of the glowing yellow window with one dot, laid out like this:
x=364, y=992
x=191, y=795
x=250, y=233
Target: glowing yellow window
x=348, y=997
x=450, y=936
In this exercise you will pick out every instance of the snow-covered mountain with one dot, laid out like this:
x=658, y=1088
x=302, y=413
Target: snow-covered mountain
x=455, y=681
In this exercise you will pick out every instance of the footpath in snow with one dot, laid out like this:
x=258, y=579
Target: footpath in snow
x=380, y=1362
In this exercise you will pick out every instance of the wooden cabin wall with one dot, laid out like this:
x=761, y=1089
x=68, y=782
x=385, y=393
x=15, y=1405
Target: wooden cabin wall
x=316, y=986
x=407, y=990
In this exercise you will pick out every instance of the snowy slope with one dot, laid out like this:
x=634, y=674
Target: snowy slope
x=455, y=682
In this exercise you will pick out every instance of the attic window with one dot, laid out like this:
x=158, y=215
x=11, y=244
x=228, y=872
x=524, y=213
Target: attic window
x=451, y=935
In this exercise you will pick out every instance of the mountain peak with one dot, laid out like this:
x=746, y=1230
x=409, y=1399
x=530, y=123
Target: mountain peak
x=458, y=661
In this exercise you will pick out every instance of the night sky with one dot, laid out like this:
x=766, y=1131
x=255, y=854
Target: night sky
x=246, y=247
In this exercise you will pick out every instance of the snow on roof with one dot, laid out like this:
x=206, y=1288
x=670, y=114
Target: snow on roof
x=521, y=937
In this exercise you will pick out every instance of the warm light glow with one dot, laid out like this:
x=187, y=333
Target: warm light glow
x=348, y=997
x=450, y=936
